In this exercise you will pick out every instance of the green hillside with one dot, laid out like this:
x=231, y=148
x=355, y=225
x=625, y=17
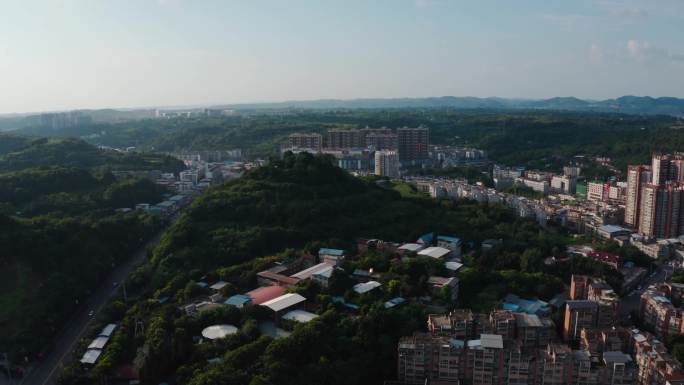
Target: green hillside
x=60, y=233
x=77, y=153
x=278, y=211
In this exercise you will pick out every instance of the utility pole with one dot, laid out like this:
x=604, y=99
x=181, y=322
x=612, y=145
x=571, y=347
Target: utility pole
x=124, y=291
x=139, y=328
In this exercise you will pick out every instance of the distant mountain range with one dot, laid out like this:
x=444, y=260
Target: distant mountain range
x=635, y=105
x=625, y=104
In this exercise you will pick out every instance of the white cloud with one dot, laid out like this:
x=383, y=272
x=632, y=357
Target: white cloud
x=646, y=52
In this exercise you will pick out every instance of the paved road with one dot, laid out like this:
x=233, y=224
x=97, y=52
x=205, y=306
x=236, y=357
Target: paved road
x=47, y=371
x=631, y=302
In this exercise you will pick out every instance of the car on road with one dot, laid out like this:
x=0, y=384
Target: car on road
x=91, y=313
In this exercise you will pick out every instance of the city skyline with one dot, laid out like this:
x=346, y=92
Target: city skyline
x=181, y=53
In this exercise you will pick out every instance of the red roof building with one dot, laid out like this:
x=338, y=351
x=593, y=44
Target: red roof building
x=605, y=257
x=265, y=294
x=267, y=278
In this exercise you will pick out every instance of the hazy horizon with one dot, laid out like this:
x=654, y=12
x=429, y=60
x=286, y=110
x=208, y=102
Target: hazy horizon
x=246, y=103
x=133, y=54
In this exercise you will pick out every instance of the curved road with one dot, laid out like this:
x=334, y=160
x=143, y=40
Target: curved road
x=46, y=372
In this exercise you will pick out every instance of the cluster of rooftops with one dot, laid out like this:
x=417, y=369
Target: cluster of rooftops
x=97, y=345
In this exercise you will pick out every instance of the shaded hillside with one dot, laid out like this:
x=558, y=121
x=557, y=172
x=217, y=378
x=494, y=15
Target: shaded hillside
x=303, y=199
x=10, y=143
x=60, y=233
x=77, y=153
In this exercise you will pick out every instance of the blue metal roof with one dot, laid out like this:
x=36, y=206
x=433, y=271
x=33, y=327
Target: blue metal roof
x=426, y=238
x=448, y=238
x=237, y=300
x=533, y=306
x=335, y=252
x=394, y=302
x=341, y=301
x=511, y=307
x=612, y=228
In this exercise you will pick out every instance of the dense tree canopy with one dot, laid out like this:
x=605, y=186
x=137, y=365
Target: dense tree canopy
x=60, y=233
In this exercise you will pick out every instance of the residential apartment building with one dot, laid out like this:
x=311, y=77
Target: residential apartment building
x=424, y=357
x=582, y=370
x=637, y=178
x=306, y=141
x=607, y=301
x=572, y=171
x=654, y=197
x=520, y=365
x=564, y=184
x=555, y=365
x=387, y=164
x=579, y=285
x=344, y=138
x=533, y=331
x=460, y=324
x=382, y=141
x=541, y=186
x=502, y=172
x=579, y=314
x=617, y=192
x=413, y=143
x=485, y=360
x=657, y=311
x=655, y=365
x=620, y=369
x=503, y=323
x=595, y=191
x=661, y=211
x=351, y=138
x=493, y=359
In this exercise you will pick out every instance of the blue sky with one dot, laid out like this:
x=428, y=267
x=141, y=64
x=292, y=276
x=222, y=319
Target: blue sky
x=65, y=54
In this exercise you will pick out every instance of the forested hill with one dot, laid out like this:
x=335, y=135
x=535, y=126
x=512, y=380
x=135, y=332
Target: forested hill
x=9, y=143
x=21, y=153
x=60, y=231
x=299, y=199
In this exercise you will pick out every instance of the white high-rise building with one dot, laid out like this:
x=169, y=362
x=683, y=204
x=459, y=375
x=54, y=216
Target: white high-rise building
x=387, y=164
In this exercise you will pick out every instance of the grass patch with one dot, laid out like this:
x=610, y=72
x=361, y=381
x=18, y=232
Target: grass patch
x=407, y=190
